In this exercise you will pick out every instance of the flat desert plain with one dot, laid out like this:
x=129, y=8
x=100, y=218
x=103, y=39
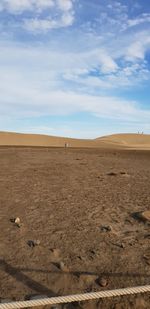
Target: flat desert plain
x=80, y=226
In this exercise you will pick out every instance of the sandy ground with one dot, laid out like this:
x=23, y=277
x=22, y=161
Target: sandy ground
x=64, y=198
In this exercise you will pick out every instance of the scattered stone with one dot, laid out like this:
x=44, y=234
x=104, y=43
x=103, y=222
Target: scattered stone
x=132, y=242
x=122, y=173
x=120, y=245
x=103, y=282
x=92, y=252
x=142, y=216
x=147, y=258
x=146, y=215
x=55, y=252
x=112, y=174
x=61, y=266
x=16, y=221
x=33, y=243
x=106, y=228
x=80, y=257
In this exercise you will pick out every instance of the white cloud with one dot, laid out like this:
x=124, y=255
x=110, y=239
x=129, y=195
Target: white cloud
x=19, y=6
x=65, y=5
x=24, y=93
x=143, y=18
x=60, y=13
x=67, y=19
x=139, y=46
x=37, y=25
x=107, y=62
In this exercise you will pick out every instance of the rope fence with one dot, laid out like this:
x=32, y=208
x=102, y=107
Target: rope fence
x=75, y=298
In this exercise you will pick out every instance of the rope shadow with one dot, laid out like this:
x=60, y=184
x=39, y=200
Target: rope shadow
x=12, y=271
x=19, y=276
x=78, y=273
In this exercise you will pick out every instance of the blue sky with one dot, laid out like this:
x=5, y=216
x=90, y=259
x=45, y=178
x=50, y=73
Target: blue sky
x=75, y=68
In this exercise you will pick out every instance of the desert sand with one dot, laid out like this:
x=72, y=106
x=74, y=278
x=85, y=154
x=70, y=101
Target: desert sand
x=79, y=207
x=137, y=141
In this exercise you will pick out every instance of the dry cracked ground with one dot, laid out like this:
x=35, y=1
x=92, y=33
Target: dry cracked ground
x=79, y=230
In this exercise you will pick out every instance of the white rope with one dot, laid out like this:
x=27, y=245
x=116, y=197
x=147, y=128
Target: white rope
x=75, y=298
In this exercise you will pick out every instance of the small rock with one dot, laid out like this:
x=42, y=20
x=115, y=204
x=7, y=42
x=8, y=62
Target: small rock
x=103, y=282
x=33, y=243
x=80, y=257
x=92, y=252
x=55, y=253
x=112, y=174
x=106, y=228
x=147, y=258
x=63, y=267
x=18, y=222
x=142, y=216
x=120, y=245
x=146, y=215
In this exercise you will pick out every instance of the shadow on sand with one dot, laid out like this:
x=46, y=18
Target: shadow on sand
x=39, y=288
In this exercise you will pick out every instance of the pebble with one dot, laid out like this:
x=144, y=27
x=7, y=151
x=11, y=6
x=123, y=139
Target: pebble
x=63, y=267
x=103, y=282
x=147, y=258
x=55, y=252
x=106, y=228
x=112, y=174
x=145, y=215
x=33, y=243
x=142, y=215
x=120, y=245
x=123, y=173
x=17, y=221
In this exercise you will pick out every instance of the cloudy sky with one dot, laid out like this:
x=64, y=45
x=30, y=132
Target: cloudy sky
x=77, y=68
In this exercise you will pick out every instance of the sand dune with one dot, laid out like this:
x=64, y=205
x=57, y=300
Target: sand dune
x=20, y=139
x=137, y=141
x=127, y=140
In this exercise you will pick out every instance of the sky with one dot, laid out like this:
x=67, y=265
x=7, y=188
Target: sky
x=76, y=68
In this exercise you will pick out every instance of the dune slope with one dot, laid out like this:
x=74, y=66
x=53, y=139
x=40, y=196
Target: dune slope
x=136, y=141
x=127, y=140
x=20, y=139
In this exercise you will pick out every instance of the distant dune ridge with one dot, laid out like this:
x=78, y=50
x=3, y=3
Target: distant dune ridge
x=136, y=141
